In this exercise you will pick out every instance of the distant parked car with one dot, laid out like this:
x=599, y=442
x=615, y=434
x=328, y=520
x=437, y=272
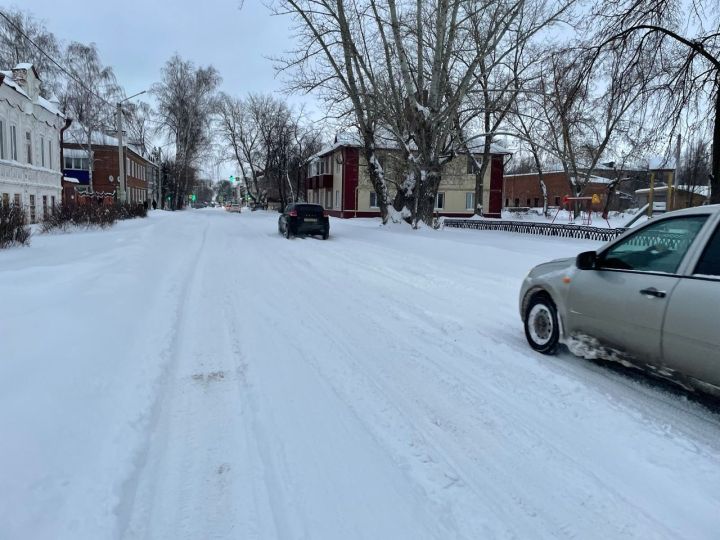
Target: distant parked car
x=304, y=218
x=650, y=297
x=234, y=207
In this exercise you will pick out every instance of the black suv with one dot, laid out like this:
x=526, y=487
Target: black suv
x=304, y=218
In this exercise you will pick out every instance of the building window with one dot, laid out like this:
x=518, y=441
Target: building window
x=52, y=203
x=537, y=202
x=469, y=200
x=76, y=163
x=373, y=200
x=42, y=151
x=17, y=200
x=337, y=198
x=328, y=199
x=13, y=143
x=28, y=146
x=507, y=202
x=517, y=203
x=557, y=201
x=45, y=207
x=50, y=161
x=2, y=139
x=440, y=200
x=5, y=200
x=528, y=203
x=32, y=209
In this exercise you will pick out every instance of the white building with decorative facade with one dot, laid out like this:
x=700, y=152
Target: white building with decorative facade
x=30, y=128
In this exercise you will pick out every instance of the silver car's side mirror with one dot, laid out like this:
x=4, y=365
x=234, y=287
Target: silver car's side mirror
x=587, y=260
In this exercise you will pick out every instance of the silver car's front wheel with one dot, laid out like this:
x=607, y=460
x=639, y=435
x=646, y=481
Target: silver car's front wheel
x=541, y=324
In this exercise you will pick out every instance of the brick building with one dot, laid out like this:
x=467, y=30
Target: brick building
x=338, y=178
x=523, y=190
x=140, y=169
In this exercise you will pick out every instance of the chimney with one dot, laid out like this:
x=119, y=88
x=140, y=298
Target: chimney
x=27, y=78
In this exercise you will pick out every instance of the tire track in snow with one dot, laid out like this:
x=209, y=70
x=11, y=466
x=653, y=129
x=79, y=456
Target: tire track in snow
x=312, y=266
x=169, y=354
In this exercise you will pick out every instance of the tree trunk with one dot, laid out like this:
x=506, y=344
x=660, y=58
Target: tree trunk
x=715, y=174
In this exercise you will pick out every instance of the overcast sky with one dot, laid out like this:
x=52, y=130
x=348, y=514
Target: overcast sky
x=136, y=37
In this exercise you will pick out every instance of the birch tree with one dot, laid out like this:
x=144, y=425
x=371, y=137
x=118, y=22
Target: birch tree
x=88, y=97
x=186, y=101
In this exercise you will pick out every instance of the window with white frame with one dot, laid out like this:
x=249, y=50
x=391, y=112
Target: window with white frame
x=13, y=143
x=50, y=161
x=17, y=200
x=337, y=198
x=440, y=200
x=28, y=147
x=32, y=209
x=328, y=199
x=42, y=150
x=469, y=200
x=373, y=200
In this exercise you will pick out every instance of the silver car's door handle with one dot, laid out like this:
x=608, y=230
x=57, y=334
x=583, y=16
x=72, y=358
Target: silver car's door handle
x=652, y=291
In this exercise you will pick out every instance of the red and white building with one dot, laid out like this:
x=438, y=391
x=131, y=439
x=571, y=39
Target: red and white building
x=338, y=179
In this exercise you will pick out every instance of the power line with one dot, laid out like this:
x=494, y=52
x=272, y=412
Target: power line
x=71, y=75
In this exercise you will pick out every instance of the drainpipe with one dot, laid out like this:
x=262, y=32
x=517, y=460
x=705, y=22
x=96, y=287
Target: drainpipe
x=68, y=121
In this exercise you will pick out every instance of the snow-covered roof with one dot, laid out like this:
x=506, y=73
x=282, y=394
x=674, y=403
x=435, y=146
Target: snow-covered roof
x=386, y=141
x=660, y=163
x=76, y=153
x=24, y=65
x=77, y=135
x=703, y=191
x=9, y=80
x=71, y=180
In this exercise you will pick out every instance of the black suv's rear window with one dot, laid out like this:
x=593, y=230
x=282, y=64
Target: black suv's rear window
x=309, y=209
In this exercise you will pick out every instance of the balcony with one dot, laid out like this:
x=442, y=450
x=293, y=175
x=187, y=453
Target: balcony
x=321, y=181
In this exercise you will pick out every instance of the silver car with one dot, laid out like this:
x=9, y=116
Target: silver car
x=650, y=298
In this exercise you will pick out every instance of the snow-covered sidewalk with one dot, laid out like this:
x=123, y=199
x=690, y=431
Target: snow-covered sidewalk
x=194, y=375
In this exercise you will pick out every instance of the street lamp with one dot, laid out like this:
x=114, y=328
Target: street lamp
x=122, y=181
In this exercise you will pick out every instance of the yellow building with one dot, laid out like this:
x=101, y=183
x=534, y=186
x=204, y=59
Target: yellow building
x=338, y=178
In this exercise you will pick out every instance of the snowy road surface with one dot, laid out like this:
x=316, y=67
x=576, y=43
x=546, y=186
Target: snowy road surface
x=196, y=376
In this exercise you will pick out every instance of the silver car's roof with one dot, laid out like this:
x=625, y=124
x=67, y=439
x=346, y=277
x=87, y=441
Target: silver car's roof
x=707, y=209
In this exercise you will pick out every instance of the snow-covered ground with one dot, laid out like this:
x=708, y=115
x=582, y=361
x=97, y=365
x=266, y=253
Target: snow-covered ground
x=615, y=219
x=194, y=376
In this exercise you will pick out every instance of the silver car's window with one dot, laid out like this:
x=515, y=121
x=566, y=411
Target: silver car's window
x=709, y=263
x=659, y=247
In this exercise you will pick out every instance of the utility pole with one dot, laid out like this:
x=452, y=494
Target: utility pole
x=121, y=157
x=674, y=179
x=122, y=181
x=159, y=165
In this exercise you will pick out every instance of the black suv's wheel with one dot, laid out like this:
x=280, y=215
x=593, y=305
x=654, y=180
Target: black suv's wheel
x=287, y=231
x=541, y=324
x=326, y=235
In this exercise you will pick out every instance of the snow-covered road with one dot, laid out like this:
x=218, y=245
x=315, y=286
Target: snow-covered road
x=195, y=376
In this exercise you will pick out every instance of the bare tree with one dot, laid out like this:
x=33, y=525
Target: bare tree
x=87, y=96
x=23, y=38
x=694, y=170
x=689, y=53
x=333, y=58
x=186, y=101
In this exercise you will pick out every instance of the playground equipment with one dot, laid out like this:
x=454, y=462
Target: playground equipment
x=570, y=203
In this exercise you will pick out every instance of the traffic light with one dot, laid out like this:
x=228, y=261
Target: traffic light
x=193, y=197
